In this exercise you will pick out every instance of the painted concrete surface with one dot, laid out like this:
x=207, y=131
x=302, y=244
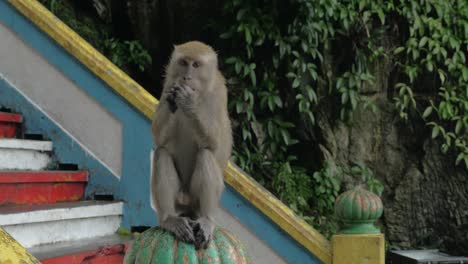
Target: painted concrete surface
x=24, y=214
x=66, y=230
x=77, y=246
x=66, y=148
x=59, y=96
x=133, y=185
x=13, y=143
x=262, y=227
x=59, y=222
x=20, y=154
x=257, y=249
x=12, y=159
x=41, y=187
x=358, y=249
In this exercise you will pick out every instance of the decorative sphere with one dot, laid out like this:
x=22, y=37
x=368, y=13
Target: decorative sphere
x=157, y=245
x=358, y=209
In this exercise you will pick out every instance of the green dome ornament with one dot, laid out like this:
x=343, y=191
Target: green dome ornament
x=358, y=209
x=157, y=245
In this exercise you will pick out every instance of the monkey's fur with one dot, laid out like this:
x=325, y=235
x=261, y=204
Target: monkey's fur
x=192, y=131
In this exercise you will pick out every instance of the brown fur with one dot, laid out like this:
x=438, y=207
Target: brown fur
x=193, y=141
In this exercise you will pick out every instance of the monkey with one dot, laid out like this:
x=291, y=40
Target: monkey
x=192, y=132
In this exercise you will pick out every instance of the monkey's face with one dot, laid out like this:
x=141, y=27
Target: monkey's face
x=194, y=72
x=193, y=64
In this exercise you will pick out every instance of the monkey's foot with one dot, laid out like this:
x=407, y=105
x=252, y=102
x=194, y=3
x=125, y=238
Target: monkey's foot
x=202, y=229
x=181, y=227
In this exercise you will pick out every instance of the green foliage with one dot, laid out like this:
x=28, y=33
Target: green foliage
x=367, y=177
x=281, y=75
x=293, y=187
x=122, y=53
x=86, y=27
x=327, y=185
x=283, y=71
x=436, y=48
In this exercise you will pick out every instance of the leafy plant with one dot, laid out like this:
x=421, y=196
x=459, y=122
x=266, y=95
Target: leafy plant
x=126, y=53
x=436, y=48
x=88, y=28
x=361, y=170
x=123, y=53
x=293, y=187
x=327, y=185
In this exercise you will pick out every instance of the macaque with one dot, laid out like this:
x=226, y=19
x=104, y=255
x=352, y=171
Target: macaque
x=192, y=132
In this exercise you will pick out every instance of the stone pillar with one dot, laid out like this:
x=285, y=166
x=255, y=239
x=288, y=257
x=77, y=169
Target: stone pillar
x=359, y=241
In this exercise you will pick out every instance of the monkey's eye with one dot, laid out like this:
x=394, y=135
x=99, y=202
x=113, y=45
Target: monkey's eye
x=183, y=62
x=196, y=64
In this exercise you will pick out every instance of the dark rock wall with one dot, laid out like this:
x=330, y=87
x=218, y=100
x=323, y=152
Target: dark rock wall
x=426, y=195
x=160, y=24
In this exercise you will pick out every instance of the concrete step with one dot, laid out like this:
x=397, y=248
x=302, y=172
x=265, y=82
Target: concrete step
x=33, y=225
x=106, y=249
x=9, y=124
x=23, y=154
x=40, y=187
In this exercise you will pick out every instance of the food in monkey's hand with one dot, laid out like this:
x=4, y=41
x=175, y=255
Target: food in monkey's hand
x=171, y=98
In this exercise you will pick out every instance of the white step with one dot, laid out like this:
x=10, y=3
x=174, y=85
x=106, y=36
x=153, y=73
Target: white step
x=77, y=246
x=24, y=154
x=33, y=225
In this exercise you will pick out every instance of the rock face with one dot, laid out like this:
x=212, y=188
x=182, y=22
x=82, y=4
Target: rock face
x=425, y=197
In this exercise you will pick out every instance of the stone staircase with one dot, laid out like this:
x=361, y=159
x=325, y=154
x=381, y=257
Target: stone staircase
x=42, y=203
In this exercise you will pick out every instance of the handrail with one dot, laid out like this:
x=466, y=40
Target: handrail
x=137, y=96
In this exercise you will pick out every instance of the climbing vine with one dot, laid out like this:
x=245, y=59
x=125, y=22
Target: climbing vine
x=434, y=49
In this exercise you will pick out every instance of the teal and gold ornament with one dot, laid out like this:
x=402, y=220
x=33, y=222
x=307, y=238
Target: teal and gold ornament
x=358, y=209
x=157, y=245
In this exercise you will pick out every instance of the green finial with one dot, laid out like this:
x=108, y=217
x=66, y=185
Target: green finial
x=358, y=209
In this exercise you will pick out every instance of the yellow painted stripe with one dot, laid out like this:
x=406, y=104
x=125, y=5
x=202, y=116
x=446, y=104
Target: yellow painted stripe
x=146, y=103
x=12, y=252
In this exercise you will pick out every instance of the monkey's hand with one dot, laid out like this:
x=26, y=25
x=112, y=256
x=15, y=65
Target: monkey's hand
x=170, y=98
x=203, y=229
x=180, y=227
x=185, y=98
